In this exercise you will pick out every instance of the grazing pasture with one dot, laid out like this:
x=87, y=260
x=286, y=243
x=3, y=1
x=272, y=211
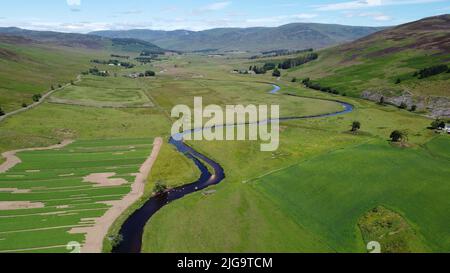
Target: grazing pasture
x=97, y=92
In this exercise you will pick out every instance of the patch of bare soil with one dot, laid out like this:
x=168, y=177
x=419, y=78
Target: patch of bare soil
x=16, y=205
x=12, y=160
x=96, y=234
x=104, y=180
x=15, y=190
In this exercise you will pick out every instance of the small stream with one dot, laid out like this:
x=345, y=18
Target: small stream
x=133, y=228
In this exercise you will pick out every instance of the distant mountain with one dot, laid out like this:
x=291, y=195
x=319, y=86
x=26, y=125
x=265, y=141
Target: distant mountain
x=87, y=41
x=292, y=36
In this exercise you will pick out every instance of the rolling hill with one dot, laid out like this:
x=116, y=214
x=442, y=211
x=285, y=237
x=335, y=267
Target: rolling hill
x=388, y=64
x=86, y=41
x=292, y=36
x=33, y=61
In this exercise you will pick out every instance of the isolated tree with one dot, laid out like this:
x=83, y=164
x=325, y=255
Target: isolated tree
x=72, y=83
x=2, y=113
x=294, y=79
x=398, y=81
x=381, y=102
x=24, y=105
x=59, y=85
x=356, y=125
x=276, y=73
x=413, y=108
x=52, y=87
x=36, y=97
x=397, y=136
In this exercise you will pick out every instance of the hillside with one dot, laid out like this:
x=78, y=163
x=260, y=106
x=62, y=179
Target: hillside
x=388, y=63
x=76, y=40
x=28, y=67
x=33, y=61
x=292, y=36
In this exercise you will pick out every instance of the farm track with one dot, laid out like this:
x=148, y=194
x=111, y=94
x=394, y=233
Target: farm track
x=96, y=234
x=44, y=97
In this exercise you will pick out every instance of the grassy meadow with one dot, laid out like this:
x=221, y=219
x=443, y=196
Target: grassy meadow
x=309, y=196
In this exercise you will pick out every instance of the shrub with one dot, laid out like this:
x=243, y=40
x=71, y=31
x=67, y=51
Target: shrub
x=37, y=97
x=2, y=113
x=356, y=125
x=403, y=105
x=398, y=81
x=159, y=187
x=397, y=136
x=150, y=73
x=438, y=124
x=413, y=108
x=294, y=79
x=381, y=102
x=24, y=105
x=276, y=73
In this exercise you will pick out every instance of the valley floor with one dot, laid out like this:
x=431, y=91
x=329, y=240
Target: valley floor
x=314, y=194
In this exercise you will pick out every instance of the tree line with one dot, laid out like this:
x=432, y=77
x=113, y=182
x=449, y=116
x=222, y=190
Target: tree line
x=431, y=71
x=113, y=62
x=316, y=86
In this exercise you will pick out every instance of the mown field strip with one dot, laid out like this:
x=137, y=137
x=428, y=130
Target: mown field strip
x=58, y=182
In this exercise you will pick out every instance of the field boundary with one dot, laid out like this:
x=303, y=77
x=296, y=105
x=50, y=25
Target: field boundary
x=44, y=97
x=95, y=235
x=12, y=159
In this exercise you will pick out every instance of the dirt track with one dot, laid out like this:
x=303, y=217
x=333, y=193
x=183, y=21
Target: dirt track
x=96, y=234
x=31, y=106
x=12, y=159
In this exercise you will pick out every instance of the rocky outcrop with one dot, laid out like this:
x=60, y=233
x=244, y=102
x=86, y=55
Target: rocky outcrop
x=433, y=105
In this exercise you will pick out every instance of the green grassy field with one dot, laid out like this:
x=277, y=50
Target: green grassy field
x=308, y=196
x=33, y=69
x=95, y=92
x=55, y=179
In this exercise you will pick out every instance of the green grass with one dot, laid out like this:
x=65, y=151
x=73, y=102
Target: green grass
x=390, y=230
x=269, y=202
x=329, y=193
x=36, y=69
x=97, y=92
x=67, y=199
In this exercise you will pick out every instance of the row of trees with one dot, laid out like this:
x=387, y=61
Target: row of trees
x=286, y=64
x=96, y=72
x=113, y=62
x=316, y=86
x=431, y=71
x=298, y=61
x=280, y=52
x=120, y=56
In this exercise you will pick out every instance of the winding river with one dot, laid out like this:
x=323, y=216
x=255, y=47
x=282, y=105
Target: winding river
x=133, y=228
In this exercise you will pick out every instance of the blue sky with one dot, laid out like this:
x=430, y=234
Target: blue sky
x=88, y=15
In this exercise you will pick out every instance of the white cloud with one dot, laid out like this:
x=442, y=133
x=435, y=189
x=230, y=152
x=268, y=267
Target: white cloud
x=283, y=19
x=360, y=4
x=212, y=7
x=74, y=3
x=377, y=16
